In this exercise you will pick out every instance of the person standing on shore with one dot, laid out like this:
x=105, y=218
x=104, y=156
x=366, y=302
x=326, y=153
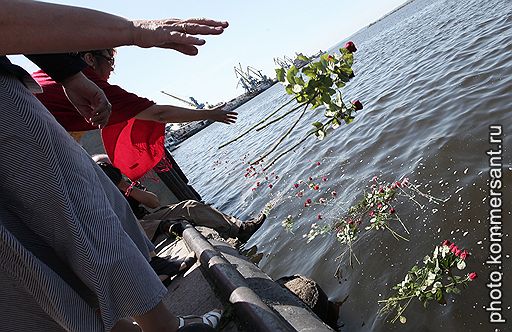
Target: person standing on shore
x=134, y=136
x=68, y=261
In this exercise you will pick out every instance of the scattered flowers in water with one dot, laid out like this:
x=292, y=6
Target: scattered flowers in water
x=430, y=282
x=373, y=212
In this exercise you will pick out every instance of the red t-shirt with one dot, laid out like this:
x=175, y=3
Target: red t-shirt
x=134, y=146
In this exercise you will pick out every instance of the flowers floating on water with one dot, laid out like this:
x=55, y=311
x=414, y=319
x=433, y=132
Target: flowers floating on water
x=350, y=46
x=374, y=211
x=430, y=282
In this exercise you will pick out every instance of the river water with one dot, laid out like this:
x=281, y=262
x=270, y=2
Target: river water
x=433, y=76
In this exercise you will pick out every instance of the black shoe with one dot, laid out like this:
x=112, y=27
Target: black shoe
x=248, y=228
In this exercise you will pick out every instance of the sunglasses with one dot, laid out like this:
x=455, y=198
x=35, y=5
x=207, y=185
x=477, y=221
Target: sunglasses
x=109, y=59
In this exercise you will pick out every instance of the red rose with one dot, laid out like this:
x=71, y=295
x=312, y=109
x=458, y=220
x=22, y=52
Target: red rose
x=392, y=210
x=357, y=105
x=372, y=213
x=324, y=179
x=398, y=184
x=296, y=185
x=330, y=57
x=333, y=193
x=454, y=249
x=458, y=252
x=308, y=201
x=446, y=243
x=316, y=187
x=451, y=246
x=257, y=184
x=319, y=217
x=270, y=185
x=350, y=46
x=472, y=276
x=464, y=255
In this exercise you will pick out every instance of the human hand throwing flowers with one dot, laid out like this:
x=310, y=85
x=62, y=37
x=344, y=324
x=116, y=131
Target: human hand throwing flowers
x=175, y=33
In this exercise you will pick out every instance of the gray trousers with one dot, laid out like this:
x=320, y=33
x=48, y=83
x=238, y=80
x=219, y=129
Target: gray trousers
x=196, y=213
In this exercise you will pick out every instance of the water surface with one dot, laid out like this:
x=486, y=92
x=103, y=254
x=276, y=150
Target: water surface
x=433, y=77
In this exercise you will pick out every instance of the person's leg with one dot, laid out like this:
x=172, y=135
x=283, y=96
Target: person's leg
x=52, y=186
x=199, y=214
x=159, y=319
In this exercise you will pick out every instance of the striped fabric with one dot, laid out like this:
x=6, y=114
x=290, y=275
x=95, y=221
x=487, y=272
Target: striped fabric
x=69, y=243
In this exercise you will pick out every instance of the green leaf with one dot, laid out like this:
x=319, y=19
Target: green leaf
x=280, y=74
x=349, y=58
x=302, y=57
x=290, y=75
x=318, y=124
x=308, y=71
x=439, y=297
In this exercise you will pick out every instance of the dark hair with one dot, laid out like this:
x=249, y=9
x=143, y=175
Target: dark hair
x=110, y=51
x=112, y=172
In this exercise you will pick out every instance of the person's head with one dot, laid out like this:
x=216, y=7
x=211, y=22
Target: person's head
x=101, y=61
x=103, y=161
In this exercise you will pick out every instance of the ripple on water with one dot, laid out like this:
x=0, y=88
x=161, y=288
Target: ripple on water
x=433, y=76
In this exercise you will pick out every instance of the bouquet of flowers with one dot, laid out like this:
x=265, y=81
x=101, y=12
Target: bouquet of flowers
x=430, y=282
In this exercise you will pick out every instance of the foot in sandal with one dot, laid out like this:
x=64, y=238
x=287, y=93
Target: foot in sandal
x=207, y=322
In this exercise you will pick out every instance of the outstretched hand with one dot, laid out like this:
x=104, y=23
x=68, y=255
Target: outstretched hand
x=219, y=115
x=175, y=33
x=88, y=99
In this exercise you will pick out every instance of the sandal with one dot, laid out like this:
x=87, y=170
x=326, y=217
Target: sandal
x=171, y=267
x=207, y=322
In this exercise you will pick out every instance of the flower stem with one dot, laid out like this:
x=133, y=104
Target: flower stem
x=274, y=147
x=257, y=124
x=285, y=152
x=279, y=117
x=395, y=234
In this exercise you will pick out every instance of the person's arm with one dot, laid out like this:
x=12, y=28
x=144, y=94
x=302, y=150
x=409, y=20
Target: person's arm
x=86, y=97
x=144, y=197
x=170, y=113
x=29, y=27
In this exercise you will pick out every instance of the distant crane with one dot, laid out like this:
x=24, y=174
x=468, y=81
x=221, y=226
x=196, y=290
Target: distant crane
x=193, y=102
x=251, y=78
